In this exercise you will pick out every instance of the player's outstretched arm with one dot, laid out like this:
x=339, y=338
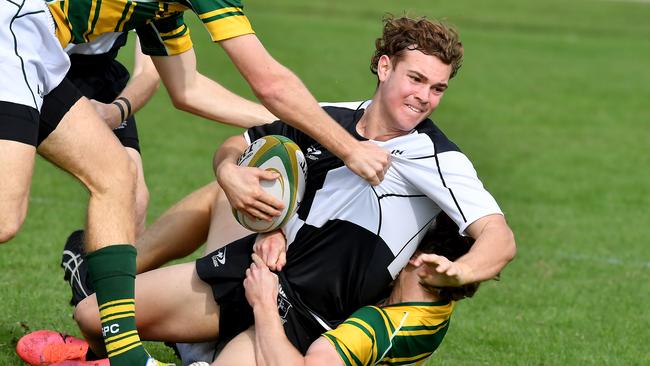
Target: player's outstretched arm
x=494, y=248
x=192, y=92
x=285, y=96
x=241, y=185
x=142, y=86
x=272, y=348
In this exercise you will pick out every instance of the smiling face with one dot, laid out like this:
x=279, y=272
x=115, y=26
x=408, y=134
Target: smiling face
x=410, y=88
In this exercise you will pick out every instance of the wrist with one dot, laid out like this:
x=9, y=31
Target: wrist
x=265, y=308
x=124, y=106
x=466, y=274
x=223, y=169
x=121, y=109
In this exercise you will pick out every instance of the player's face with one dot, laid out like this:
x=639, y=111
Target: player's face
x=411, y=89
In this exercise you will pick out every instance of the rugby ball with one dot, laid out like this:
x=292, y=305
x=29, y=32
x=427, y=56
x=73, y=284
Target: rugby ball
x=281, y=155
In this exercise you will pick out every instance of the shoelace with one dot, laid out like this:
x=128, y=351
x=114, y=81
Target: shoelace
x=72, y=265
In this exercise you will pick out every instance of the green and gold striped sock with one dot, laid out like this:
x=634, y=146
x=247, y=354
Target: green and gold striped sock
x=112, y=272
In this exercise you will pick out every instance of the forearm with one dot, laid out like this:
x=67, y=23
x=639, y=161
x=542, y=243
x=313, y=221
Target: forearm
x=228, y=154
x=142, y=86
x=285, y=95
x=294, y=104
x=212, y=101
x=192, y=92
x=272, y=348
x=494, y=248
x=140, y=89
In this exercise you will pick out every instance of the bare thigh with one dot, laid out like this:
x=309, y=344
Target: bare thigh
x=83, y=145
x=16, y=167
x=224, y=228
x=239, y=351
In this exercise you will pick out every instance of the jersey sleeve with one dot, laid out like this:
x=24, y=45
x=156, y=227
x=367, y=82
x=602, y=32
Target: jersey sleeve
x=165, y=37
x=223, y=18
x=363, y=338
x=450, y=180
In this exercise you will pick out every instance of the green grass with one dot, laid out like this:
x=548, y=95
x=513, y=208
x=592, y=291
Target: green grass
x=550, y=105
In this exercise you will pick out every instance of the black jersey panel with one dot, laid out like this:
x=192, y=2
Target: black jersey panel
x=335, y=275
x=440, y=141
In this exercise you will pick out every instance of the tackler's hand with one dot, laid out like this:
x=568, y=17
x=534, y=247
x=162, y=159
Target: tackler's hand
x=368, y=161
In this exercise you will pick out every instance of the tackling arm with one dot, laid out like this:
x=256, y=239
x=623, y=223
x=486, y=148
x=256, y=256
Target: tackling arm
x=285, y=95
x=272, y=348
x=493, y=249
x=192, y=92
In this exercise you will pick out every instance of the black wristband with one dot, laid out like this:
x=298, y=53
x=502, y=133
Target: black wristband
x=119, y=105
x=128, y=106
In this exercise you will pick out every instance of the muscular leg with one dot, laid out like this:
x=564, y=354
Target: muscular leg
x=223, y=226
x=173, y=304
x=16, y=167
x=84, y=146
x=178, y=231
x=141, y=192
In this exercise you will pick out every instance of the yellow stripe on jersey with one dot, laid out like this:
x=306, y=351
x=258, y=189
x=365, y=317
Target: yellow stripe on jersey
x=358, y=344
x=171, y=34
x=398, y=334
x=129, y=12
x=404, y=360
x=213, y=13
x=63, y=33
x=91, y=19
x=176, y=46
x=229, y=27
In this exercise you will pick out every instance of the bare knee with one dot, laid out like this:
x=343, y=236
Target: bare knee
x=119, y=179
x=10, y=223
x=8, y=230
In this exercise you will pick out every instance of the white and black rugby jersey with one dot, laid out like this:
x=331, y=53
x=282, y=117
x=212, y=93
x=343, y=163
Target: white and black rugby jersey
x=350, y=238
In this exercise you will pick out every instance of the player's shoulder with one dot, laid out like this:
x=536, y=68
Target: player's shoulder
x=441, y=142
x=343, y=112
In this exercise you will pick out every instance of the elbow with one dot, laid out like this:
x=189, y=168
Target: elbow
x=270, y=94
x=180, y=101
x=511, y=246
x=272, y=87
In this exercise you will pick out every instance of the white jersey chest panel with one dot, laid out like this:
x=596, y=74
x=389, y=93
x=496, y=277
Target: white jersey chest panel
x=395, y=210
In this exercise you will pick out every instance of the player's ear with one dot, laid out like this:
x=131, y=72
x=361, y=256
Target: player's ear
x=384, y=67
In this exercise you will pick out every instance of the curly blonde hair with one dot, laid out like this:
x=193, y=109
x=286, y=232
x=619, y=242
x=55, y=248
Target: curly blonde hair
x=431, y=37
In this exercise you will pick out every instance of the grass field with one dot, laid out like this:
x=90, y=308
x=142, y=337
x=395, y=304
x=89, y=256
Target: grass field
x=552, y=107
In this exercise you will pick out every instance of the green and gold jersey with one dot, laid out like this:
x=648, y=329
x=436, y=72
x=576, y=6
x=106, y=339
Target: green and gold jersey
x=159, y=24
x=400, y=334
